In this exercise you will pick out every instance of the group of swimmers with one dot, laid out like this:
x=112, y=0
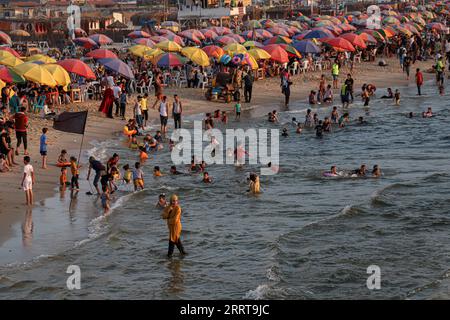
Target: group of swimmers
x=358, y=173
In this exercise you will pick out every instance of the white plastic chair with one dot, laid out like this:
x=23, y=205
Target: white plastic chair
x=204, y=81
x=358, y=57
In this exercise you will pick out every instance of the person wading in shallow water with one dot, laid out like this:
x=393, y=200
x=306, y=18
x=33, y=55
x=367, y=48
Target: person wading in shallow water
x=172, y=214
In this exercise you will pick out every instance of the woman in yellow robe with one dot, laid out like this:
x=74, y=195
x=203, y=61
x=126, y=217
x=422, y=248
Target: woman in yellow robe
x=172, y=214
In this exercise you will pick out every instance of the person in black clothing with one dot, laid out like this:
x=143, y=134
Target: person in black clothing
x=319, y=129
x=349, y=82
x=248, y=86
x=99, y=169
x=406, y=65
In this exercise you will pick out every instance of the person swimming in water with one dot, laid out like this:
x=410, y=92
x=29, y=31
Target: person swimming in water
x=390, y=94
x=411, y=115
x=361, y=121
x=174, y=171
x=206, y=178
x=308, y=118
x=331, y=173
x=361, y=172
x=285, y=133
x=343, y=119
x=319, y=129
x=334, y=115
x=326, y=125
x=397, y=97
x=299, y=128
x=428, y=113
x=254, y=183
x=376, y=171
x=294, y=122
x=162, y=202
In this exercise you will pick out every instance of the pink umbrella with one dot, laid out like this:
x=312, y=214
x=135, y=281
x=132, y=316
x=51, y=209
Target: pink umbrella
x=278, y=31
x=237, y=37
x=158, y=39
x=277, y=53
x=225, y=40
x=145, y=42
x=175, y=38
x=264, y=33
x=138, y=34
x=101, y=54
x=101, y=39
x=164, y=32
x=221, y=31
x=209, y=34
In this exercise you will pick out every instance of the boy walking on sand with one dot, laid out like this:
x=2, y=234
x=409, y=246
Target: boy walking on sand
x=28, y=180
x=43, y=147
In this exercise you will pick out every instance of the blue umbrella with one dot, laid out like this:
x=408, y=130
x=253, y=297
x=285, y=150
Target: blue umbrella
x=306, y=46
x=318, y=34
x=117, y=66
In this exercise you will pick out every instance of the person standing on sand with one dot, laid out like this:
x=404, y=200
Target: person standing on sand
x=43, y=147
x=335, y=73
x=28, y=180
x=172, y=214
x=158, y=88
x=107, y=103
x=248, y=86
x=21, y=124
x=177, y=110
x=419, y=81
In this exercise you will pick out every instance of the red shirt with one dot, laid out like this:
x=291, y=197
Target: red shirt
x=20, y=121
x=419, y=78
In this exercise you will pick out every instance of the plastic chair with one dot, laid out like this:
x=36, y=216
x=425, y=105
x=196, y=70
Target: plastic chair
x=39, y=105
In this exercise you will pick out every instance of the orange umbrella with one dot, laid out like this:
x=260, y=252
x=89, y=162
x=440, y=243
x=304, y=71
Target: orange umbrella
x=277, y=53
x=339, y=44
x=213, y=51
x=354, y=39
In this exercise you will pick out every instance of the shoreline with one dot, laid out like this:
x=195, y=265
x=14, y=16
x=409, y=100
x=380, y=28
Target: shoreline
x=266, y=94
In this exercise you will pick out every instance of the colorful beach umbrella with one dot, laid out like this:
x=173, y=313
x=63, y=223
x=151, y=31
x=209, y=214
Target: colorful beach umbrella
x=292, y=52
x=117, y=66
x=252, y=44
x=8, y=75
x=169, y=46
x=367, y=37
x=209, y=34
x=225, y=40
x=278, y=40
x=145, y=42
x=4, y=38
x=278, y=31
x=213, y=51
x=86, y=43
x=339, y=44
x=35, y=73
x=196, y=55
x=318, y=34
x=354, y=39
x=101, y=39
x=306, y=46
x=234, y=48
x=77, y=67
x=237, y=37
x=101, y=54
x=277, y=53
x=12, y=51
x=168, y=60
x=8, y=59
x=171, y=25
x=173, y=37
x=138, y=34
x=253, y=24
x=40, y=57
x=158, y=39
x=80, y=32
x=259, y=54
x=58, y=73
x=20, y=33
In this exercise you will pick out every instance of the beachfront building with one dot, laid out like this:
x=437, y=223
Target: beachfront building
x=194, y=12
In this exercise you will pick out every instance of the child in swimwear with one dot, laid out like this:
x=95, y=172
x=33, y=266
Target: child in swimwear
x=397, y=97
x=143, y=156
x=63, y=177
x=3, y=165
x=115, y=175
x=134, y=143
x=138, y=177
x=74, y=170
x=162, y=202
x=376, y=172
x=206, y=178
x=127, y=174
x=224, y=117
x=285, y=133
x=105, y=199
x=62, y=160
x=157, y=172
x=299, y=128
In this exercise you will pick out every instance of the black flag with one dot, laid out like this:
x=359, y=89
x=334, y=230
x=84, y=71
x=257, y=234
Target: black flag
x=73, y=122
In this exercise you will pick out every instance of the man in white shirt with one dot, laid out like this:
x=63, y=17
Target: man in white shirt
x=117, y=91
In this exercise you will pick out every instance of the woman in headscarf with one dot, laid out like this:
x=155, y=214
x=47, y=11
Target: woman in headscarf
x=172, y=213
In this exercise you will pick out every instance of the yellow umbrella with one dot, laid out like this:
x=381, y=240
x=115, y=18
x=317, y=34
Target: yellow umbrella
x=169, y=46
x=35, y=73
x=259, y=54
x=58, y=73
x=197, y=55
x=251, y=62
x=2, y=85
x=139, y=50
x=40, y=57
x=234, y=48
x=20, y=33
x=8, y=59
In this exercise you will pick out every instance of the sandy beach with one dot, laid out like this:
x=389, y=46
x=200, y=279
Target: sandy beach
x=265, y=93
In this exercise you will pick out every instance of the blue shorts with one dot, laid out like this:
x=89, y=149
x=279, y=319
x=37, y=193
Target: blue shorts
x=335, y=76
